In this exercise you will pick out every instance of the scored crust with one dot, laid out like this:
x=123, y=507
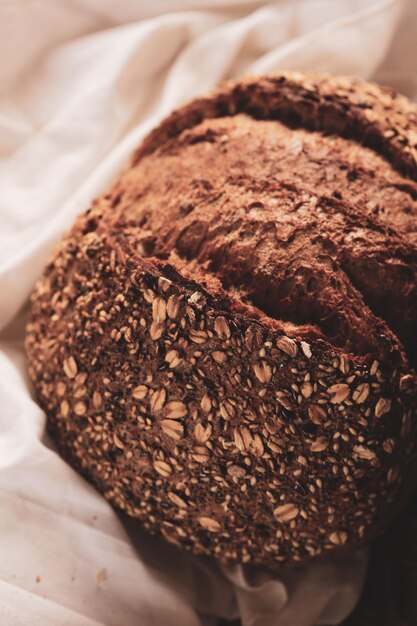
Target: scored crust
x=217, y=344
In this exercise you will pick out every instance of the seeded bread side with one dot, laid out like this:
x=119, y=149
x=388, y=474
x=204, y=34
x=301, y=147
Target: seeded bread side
x=224, y=437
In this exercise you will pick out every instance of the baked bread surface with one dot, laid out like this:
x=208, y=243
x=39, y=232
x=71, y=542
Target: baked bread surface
x=224, y=343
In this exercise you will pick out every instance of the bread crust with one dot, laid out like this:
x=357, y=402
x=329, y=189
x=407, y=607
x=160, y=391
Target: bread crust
x=180, y=343
x=376, y=116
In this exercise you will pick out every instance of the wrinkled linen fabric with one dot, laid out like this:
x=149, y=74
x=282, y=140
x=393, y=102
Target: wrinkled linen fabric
x=81, y=82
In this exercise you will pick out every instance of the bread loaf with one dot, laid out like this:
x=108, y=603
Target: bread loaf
x=224, y=343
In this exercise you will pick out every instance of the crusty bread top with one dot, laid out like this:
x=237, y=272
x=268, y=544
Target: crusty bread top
x=313, y=229
x=376, y=116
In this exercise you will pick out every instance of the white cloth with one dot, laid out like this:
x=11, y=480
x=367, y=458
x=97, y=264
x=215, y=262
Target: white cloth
x=81, y=82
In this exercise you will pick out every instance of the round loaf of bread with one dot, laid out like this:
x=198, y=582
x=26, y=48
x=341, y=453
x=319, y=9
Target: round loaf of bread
x=224, y=343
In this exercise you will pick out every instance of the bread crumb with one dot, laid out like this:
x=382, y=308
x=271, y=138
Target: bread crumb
x=101, y=576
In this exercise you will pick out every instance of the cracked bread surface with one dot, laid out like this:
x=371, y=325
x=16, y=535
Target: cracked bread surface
x=224, y=343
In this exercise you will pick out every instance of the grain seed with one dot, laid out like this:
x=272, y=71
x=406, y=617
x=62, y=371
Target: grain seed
x=374, y=368
x=272, y=426
x=173, y=307
x=361, y=393
x=156, y=331
x=140, y=392
x=382, y=406
x=80, y=392
x=227, y=410
x=162, y=468
x=253, y=337
x=219, y=356
x=205, y=403
x=338, y=538
x=306, y=390
x=305, y=347
x=159, y=310
x=239, y=440
x=286, y=512
x=256, y=446
x=118, y=442
x=80, y=409
x=179, y=502
x=201, y=433
x=393, y=475
x=284, y=398
x=388, y=446
x=164, y=283
x=198, y=336
x=97, y=400
x=338, y=393
x=319, y=444
x=246, y=436
x=222, y=328
x=175, y=410
x=172, y=429
x=149, y=295
x=235, y=471
x=70, y=367
x=287, y=345
x=158, y=400
x=317, y=414
x=172, y=357
x=364, y=453
x=209, y=524
x=344, y=365
x=201, y=454
x=406, y=383
x=61, y=388
x=262, y=372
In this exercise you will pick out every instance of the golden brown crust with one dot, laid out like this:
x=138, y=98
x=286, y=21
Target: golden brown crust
x=226, y=412
x=377, y=116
